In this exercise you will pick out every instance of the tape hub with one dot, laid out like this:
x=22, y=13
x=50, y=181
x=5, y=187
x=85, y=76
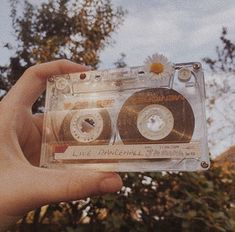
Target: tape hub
x=155, y=122
x=86, y=127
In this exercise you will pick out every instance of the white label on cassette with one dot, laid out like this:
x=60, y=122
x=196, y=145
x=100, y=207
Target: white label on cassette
x=150, y=151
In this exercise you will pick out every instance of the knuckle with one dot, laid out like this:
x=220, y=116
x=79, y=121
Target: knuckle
x=31, y=70
x=5, y=109
x=63, y=62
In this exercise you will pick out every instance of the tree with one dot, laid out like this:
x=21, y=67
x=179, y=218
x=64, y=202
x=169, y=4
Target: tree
x=169, y=202
x=225, y=60
x=220, y=94
x=121, y=63
x=71, y=29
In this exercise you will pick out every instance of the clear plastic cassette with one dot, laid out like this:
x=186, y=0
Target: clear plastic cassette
x=147, y=118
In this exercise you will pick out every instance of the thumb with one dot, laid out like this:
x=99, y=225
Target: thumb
x=66, y=185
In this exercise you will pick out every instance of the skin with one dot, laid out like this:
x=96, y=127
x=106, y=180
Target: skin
x=23, y=185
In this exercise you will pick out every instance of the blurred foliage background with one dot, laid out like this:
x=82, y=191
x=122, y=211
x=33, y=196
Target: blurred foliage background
x=79, y=30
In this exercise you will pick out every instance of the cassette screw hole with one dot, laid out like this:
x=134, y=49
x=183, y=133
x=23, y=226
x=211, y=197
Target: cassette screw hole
x=196, y=66
x=51, y=79
x=83, y=76
x=204, y=164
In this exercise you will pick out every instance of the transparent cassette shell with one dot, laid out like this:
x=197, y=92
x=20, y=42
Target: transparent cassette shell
x=126, y=120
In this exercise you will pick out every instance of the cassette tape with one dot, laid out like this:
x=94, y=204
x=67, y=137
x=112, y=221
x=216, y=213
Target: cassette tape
x=145, y=118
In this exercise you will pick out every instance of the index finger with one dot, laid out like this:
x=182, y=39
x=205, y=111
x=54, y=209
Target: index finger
x=33, y=82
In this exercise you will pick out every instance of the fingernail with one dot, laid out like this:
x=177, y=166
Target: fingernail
x=90, y=68
x=111, y=184
x=85, y=67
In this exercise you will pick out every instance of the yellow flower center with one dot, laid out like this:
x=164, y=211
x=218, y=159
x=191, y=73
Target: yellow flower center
x=157, y=68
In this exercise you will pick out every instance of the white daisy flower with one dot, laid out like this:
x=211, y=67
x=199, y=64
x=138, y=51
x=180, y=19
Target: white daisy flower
x=159, y=66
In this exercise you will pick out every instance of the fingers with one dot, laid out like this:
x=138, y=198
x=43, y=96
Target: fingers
x=66, y=185
x=32, y=153
x=34, y=187
x=38, y=121
x=33, y=82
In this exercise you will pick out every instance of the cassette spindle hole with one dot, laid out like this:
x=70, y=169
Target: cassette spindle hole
x=155, y=123
x=87, y=125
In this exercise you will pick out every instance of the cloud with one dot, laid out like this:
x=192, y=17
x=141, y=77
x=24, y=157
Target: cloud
x=183, y=30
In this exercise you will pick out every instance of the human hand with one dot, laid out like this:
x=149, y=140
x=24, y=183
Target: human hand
x=24, y=187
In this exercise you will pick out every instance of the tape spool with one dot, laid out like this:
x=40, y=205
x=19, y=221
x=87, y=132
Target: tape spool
x=157, y=115
x=90, y=126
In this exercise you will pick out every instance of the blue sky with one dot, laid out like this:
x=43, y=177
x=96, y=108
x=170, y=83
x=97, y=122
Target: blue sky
x=183, y=30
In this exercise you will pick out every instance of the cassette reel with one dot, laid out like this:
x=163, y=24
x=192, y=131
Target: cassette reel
x=147, y=118
x=151, y=119
x=86, y=127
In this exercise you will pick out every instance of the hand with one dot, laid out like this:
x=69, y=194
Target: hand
x=23, y=186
